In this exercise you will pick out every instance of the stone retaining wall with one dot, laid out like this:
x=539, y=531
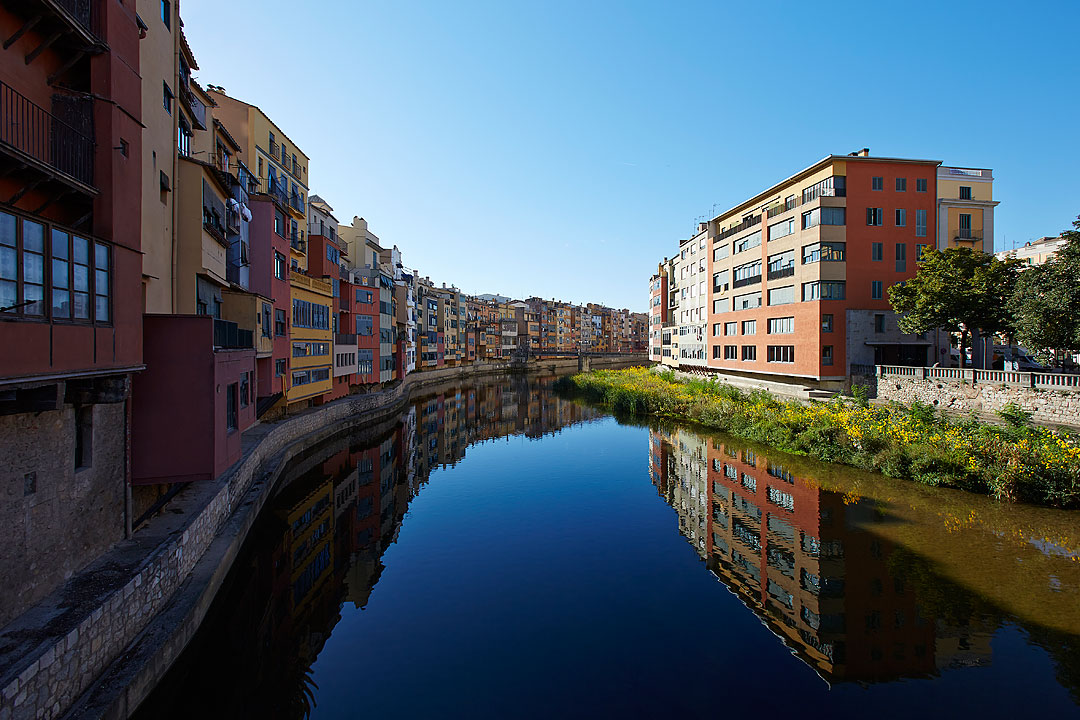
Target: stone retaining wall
x=1047, y=407
x=51, y=656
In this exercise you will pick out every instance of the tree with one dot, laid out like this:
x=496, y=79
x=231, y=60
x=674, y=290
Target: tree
x=1046, y=302
x=960, y=290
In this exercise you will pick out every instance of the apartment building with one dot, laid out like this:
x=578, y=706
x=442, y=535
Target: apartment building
x=1035, y=252
x=965, y=208
x=798, y=274
x=70, y=279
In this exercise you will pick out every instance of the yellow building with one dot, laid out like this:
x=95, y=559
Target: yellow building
x=311, y=339
x=965, y=208
x=280, y=167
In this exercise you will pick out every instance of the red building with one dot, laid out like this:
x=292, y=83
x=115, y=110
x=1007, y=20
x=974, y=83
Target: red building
x=70, y=279
x=269, y=275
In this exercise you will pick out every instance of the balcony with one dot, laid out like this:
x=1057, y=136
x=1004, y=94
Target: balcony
x=967, y=235
x=744, y=225
x=755, y=280
x=296, y=203
x=345, y=338
x=781, y=273
x=275, y=149
x=230, y=336
x=34, y=136
x=296, y=243
x=790, y=204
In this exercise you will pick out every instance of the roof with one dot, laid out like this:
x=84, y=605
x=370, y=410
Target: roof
x=227, y=135
x=218, y=90
x=761, y=196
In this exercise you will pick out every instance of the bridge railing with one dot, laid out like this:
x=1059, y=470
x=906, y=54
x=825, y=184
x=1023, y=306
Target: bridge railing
x=1069, y=382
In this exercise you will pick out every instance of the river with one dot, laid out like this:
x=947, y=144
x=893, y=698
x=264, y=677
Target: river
x=500, y=551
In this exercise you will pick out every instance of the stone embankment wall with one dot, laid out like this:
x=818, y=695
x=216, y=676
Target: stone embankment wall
x=1051, y=399
x=97, y=646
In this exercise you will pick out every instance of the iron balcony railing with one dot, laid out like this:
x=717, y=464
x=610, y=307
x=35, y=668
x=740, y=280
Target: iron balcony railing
x=345, y=338
x=296, y=203
x=744, y=225
x=296, y=243
x=31, y=130
x=790, y=204
x=276, y=191
x=228, y=335
x=85, y=12
x=275, y=149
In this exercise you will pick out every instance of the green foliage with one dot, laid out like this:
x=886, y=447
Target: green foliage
x=1046, y=301
x=861, y=393
x=1014, y=416
x=1016, y=462
x=960, y=290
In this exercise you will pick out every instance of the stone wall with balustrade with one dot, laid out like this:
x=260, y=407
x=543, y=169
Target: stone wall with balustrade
x=1051, y=398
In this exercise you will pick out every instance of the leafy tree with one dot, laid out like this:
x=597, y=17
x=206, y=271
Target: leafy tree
x=1046, y=303
x=960, y=290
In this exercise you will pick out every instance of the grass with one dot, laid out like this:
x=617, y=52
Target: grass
x=1013, y=461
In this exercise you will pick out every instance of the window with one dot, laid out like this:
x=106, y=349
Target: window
x=824, y=216
x=279, y=223
x=310, y=315
x=365, y=360
x=875, y=216
x=101, y=282
x=829, y=187
x=309, y=349
x=748, y=301
x=720, y=281
x=717, y=329
x=166, y=97
x=965, y=226
x=279, y=367
x=749, y=327
x=731, y=352
x=84, y=436
x=782, y=295
x=782, y=265
x=780, y=353
x=332, y=254
x=823, y=252
x=919, y=250
x=266, y=314
x=731, y=328
x=748, y=274
x=279, y=265
x=749, y=352
x=183, y=138
x=363, y=296
x=279, y=323
x=901, y=257
x=245, y=389
x=875, y=289
x=879, y=322
x=901, y=217
x=965, y=192
x=364, y=325
x=823, y=290
x=748, y=243
x=166, y=14
x=877, y=251
x=717, y=352
x=901, y=184
x=826, y=323
x=826, y=355
x=305, y=377
x=781, y=326
x=920, y=223
x=721, y=252
x=920, y=184
x=877, y=183
x=231, y=419
x=781, y=229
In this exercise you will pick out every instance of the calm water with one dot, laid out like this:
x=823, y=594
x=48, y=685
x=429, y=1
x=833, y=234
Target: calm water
x=502, y=552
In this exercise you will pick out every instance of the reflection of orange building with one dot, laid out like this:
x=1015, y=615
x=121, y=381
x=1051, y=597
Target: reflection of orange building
x=806, y=562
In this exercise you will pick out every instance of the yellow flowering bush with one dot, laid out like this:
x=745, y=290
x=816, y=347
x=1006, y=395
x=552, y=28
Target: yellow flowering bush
x=1016, y=461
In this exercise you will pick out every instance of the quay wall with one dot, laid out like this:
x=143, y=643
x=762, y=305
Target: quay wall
x=97, y=646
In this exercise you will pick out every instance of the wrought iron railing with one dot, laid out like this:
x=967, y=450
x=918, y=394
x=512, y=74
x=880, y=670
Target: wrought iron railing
x=34, y=131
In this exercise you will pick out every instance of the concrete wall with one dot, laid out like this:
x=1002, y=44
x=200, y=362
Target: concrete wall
x=89, y=649
x=56, y=518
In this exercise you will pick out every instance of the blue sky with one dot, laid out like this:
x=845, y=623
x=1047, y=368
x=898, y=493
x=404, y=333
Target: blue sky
x=561, y=149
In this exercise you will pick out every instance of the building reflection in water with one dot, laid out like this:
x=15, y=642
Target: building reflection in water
x=319, y=544
x=806, y=562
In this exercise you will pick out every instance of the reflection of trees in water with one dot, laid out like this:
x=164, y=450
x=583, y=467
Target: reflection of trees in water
x=959, y=607
x=253, y=654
